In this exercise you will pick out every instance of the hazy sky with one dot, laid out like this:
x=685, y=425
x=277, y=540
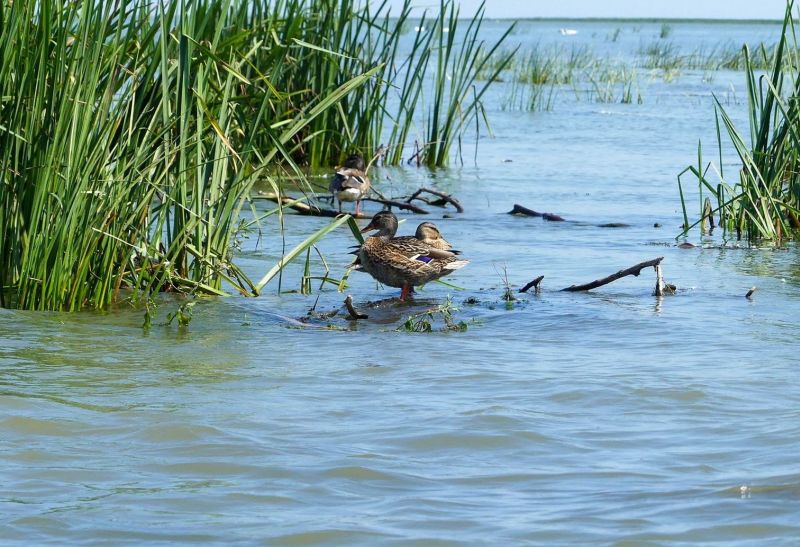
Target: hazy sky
x=712, y=9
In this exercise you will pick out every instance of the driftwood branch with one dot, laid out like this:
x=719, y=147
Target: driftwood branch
x=399, y=204
x=304, y=208
x=535, y=284
x=353, y=314
x=443, y=200
x=524, y=211
x=633, y=270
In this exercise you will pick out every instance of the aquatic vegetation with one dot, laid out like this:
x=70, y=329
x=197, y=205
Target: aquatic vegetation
x=661, y=55
x=536, y=76
x=131, y=137
x=618, y=84
x=761, y=201
x=426, y=321
x=457, y=90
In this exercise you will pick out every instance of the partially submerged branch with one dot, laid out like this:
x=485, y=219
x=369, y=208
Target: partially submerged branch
x=399, y=204
x=633, y=270
x=524, y=211
x=303, y=208
x=353, y=314
x=443, y=200
x=535, y=284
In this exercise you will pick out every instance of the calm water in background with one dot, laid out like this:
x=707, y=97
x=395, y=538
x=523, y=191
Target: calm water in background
x=562, y=418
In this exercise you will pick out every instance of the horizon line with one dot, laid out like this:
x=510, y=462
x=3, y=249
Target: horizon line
x=633, y=19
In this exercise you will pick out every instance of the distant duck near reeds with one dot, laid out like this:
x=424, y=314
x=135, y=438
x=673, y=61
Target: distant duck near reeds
x=350, y=182
x=404, y=262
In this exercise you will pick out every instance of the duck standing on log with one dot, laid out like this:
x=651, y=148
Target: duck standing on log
x=350, y=182
x=403, y=262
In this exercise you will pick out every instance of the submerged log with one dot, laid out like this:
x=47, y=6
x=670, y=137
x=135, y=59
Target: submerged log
x=524, y=211
x=633, y=270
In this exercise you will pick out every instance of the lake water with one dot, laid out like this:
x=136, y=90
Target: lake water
x=604, y=417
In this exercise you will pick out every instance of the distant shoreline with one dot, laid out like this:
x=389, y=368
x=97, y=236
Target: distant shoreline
x=635, y=20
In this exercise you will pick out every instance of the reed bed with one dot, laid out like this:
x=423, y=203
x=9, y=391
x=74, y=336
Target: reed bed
x=132, y=133
x=537, y=75
x=761, y=201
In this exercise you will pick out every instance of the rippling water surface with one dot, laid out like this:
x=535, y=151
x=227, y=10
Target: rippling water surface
x=559, y=418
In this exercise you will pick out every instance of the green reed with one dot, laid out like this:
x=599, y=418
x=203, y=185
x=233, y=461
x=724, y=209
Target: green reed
x=761, y=200
x=132, y=133
x=130, y=138
x=460, y=60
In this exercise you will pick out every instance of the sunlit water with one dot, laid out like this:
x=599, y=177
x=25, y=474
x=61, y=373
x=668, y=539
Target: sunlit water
x=558, y=418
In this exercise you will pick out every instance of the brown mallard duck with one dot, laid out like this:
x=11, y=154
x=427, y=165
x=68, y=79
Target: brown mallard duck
x=402, y=262
x=350, y=182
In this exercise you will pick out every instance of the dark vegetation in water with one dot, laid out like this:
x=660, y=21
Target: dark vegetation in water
x=131, y=134
x=761, y=200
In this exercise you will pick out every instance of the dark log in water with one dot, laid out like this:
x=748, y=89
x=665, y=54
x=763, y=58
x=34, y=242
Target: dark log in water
x=633, y=270
x=535, y=284
x=524, y=211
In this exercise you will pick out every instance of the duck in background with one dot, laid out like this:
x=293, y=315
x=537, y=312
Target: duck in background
x=350, y=182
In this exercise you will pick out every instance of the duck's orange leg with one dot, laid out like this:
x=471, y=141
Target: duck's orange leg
x=404, y=293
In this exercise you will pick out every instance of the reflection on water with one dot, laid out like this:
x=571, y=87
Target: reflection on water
x=556, y=418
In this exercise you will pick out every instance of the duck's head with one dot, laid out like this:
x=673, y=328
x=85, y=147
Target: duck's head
x=354, y=161
x=384, y=221
x=427, y=231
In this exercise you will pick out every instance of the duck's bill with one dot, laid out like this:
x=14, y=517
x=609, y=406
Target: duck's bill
x=368, y=228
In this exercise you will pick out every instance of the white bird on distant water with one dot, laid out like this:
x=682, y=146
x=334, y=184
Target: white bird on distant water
x=350, y=182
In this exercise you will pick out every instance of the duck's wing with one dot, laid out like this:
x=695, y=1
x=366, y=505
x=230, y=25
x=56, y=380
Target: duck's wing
x=351, y=178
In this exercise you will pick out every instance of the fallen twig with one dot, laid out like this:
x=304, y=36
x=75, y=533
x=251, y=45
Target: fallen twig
x=353, y=314
x=535, y=284
x=633, y=270
x=444, y=199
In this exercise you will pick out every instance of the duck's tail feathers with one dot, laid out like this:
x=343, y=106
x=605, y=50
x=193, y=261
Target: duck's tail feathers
x=455, y=265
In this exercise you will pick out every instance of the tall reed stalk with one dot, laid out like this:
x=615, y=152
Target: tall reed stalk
x=762, y=201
